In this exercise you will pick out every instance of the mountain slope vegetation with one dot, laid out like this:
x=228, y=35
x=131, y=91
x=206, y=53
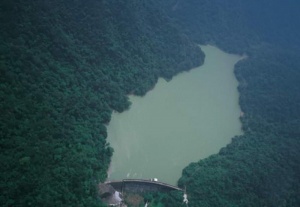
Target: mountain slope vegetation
x=260, y=168
x=64, y=66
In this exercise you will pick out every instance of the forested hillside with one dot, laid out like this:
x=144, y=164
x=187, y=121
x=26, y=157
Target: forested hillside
x=64, y=66
x=262, y=167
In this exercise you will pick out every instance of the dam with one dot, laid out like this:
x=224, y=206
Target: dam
x=112, y=192
x=141, y=186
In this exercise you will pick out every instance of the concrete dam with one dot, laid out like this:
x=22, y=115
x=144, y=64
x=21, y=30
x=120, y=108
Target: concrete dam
x=141, y=186
x=112, y=192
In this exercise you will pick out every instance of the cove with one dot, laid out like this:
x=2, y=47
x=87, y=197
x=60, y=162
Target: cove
x=181, y=121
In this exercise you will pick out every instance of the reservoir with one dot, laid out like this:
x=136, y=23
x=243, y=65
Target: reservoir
x=181, y=121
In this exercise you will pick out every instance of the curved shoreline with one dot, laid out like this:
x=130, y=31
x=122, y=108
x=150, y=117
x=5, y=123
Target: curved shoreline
x=196, y=101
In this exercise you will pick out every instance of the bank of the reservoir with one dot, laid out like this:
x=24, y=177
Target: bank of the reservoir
x=178, y=122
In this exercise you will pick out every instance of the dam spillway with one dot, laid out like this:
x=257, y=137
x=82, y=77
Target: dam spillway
x=141, y=186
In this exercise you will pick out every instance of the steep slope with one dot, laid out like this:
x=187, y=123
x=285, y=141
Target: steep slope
x=260, y=168
x=64, y=66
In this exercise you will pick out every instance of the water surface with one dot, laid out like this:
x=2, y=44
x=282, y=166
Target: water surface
x=178, y=122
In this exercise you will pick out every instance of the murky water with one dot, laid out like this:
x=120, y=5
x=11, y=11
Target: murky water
x=178, y=122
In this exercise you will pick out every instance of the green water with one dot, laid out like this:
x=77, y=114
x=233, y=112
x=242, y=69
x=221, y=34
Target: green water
x=178, y=122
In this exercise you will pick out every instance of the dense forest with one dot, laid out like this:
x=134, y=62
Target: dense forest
x=262, y=167
x=65, y=65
